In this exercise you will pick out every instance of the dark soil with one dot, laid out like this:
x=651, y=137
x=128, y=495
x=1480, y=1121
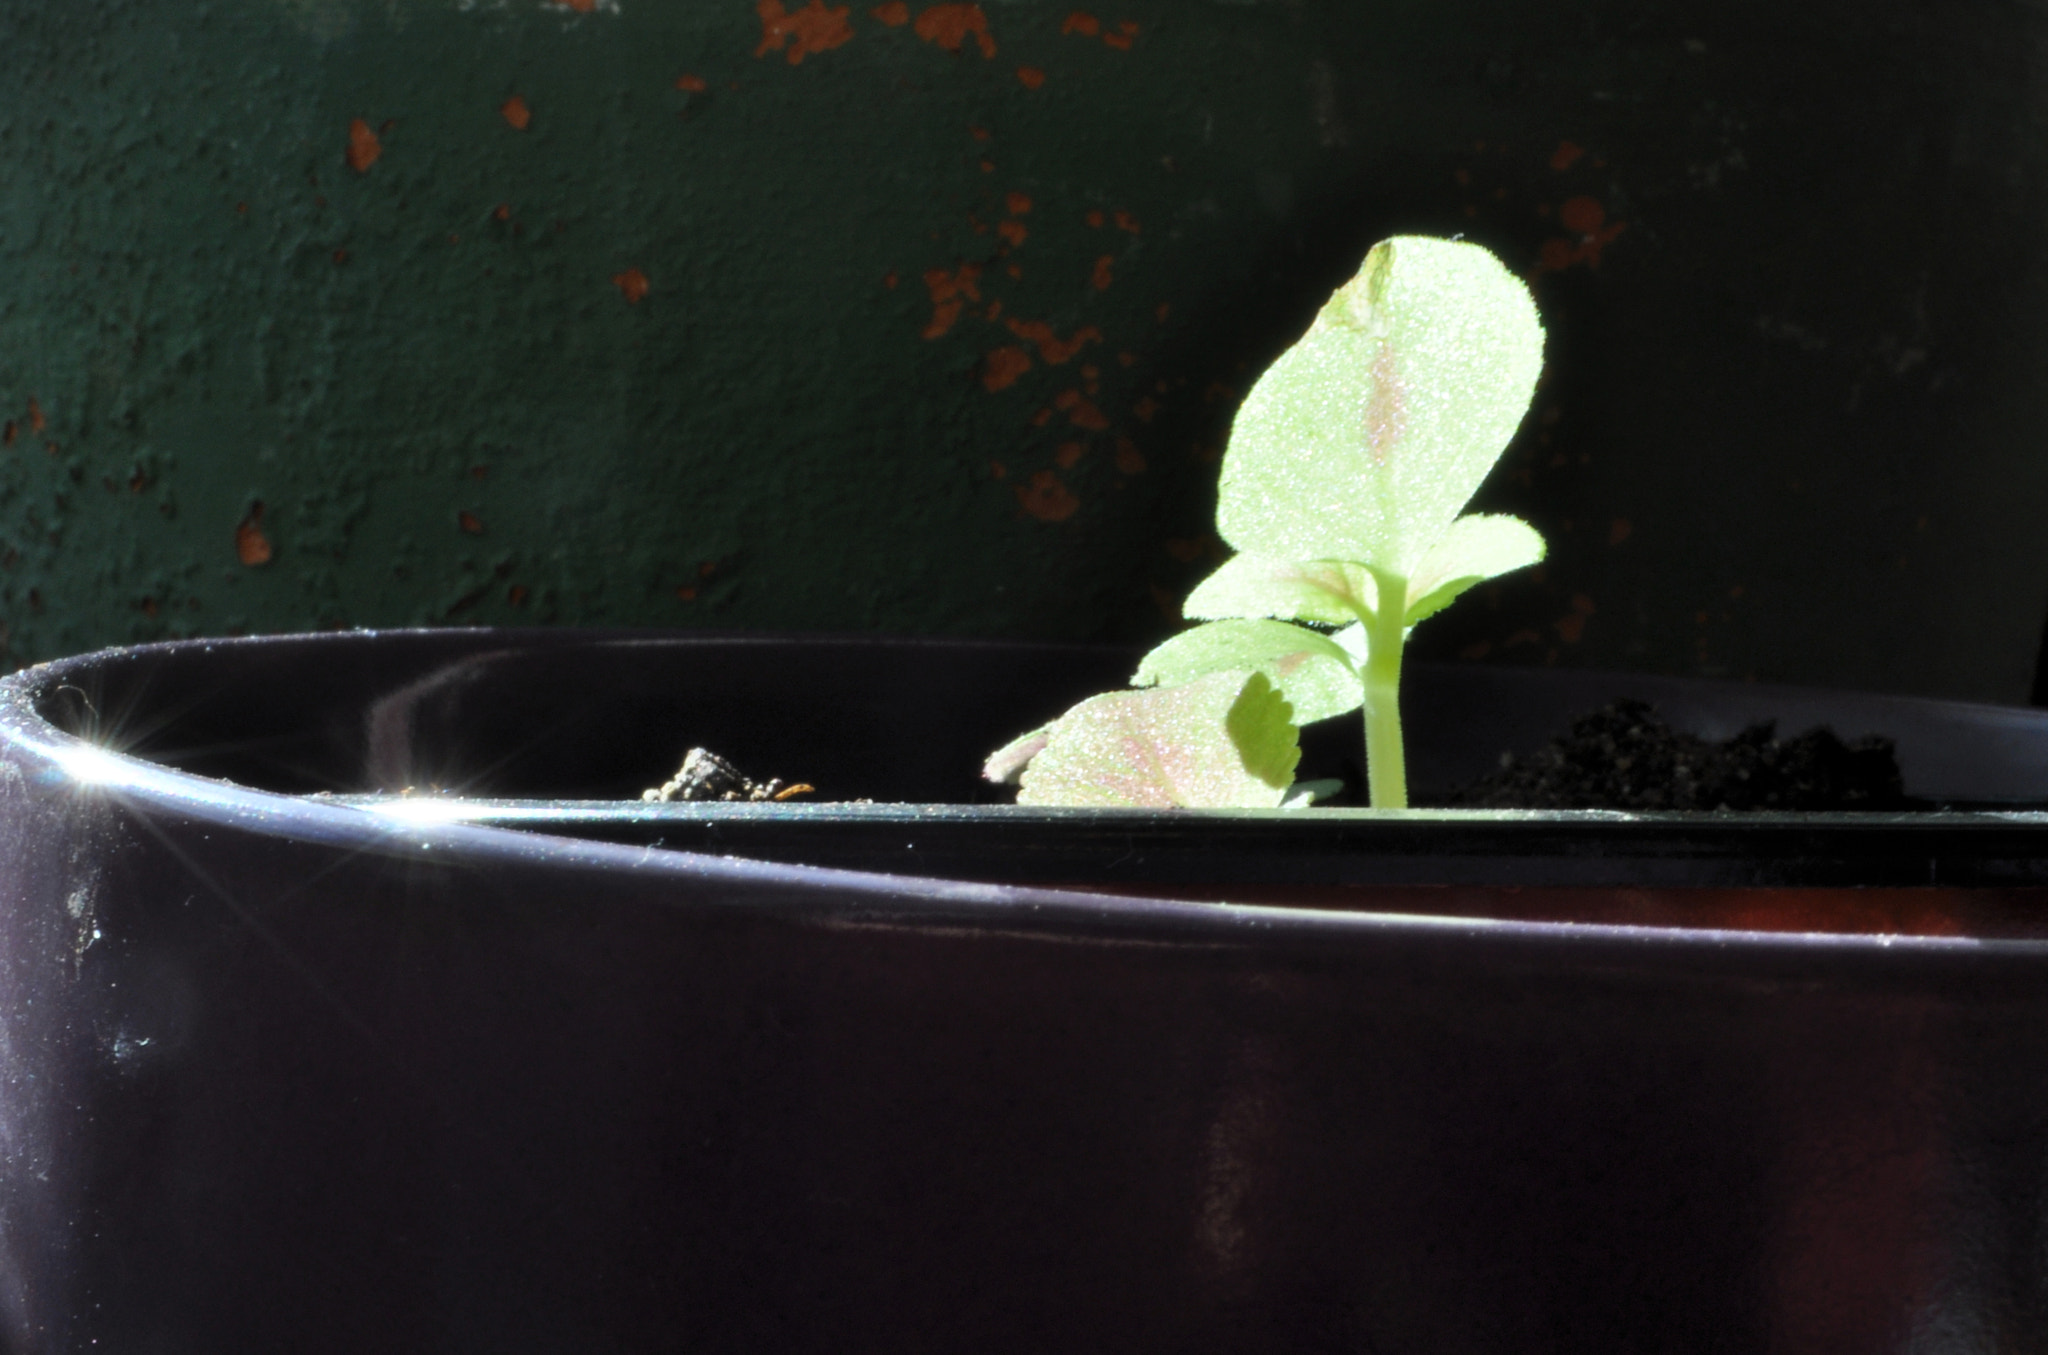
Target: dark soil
x=1624, y=757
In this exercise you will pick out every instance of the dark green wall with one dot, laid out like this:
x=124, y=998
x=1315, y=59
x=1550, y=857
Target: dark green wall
x=1791, y=428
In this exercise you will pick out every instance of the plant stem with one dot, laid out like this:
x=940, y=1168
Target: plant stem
x=1386, y=763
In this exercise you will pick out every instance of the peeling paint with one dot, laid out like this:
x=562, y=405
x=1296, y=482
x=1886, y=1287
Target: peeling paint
x=1103, y=275
x=1079, y=411
x=1001, y=368
x=895, y=14
x=1046, y=499
x=691, y=84
x=949, y=293
x=515, y=113
x=252, y=547
x=632, y=285
x=950, y=25
x=364, y=147
x=1078, y=22
x=1031, y=77
x=1017, y=204
x=1051, y=348
x=808, y=31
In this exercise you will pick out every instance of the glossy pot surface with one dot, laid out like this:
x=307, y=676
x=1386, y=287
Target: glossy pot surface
x=354, y=1070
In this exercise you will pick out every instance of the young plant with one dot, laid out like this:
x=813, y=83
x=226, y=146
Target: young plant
x=1348, y=466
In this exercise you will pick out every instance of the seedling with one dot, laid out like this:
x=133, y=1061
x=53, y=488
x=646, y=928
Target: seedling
x=1348, y=466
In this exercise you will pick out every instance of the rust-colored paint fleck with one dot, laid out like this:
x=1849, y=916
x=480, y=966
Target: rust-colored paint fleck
x=1069, y=454
x=1041, y=416
x=363, y=146
x=808, y=31
x=1013, y=270
x=1013, y=232
x=889, y=280
x=686, y=594
x=502, y=212
x=998, y=470
x=1566, y=155
x=988, y=167
x=1053, y=349
x=895, y=14
x=242, y=207
x=1103, y=274
x=707, y=569
x=1095, y=219
x=252, y=547
x=1145, y=409
x=1046, y=499
x=1121, y=39
x=1571, y=627
x=1619, y=531
x=947, y=293
x=1126, y=222
x=468, y=522
x=582, y=6
x=980, y=133
x=691, y=84
x=515, y=112
x=1582, y=214
x=1129, y=460
x=632, y=285
x=994, y=311
x=1079, y=411
x=1078, y=22
x=950, y=25
x=1017, y=203
x=1001, y=368
x=1030, y=77
x=36, y=421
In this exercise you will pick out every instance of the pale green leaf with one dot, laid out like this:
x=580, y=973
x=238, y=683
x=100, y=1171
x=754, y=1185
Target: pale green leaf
x=1226, y=741
x=1007, y=763
x=1313, y=673
x=1329, y=591
x=1478, y=547
x=1364, y=440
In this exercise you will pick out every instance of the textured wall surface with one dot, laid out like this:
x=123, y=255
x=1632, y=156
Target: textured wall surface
x=930, y=318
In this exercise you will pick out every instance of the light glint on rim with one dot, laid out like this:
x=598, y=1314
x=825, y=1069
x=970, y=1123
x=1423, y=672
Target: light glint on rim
x=90, y=765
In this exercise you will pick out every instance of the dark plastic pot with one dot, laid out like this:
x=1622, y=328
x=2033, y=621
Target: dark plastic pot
x=516, y=1073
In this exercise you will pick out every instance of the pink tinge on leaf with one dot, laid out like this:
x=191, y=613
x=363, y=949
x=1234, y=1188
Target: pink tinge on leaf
x=1386, y=407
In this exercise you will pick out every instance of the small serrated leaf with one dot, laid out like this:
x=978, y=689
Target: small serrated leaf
x=1313, y=672
x=1226, y=741
x=1366, y=438
x=1333, y=592
x=1478, y=547
x=1007, y=763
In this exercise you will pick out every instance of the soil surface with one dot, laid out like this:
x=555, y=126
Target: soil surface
x=1624, y=757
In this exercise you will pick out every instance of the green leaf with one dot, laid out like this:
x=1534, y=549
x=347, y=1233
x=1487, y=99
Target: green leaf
x=1007, y=763
x=1330, y=591
x=1312, y=672
x=1365, y=439
x=1226, y=741
x=1478, y=547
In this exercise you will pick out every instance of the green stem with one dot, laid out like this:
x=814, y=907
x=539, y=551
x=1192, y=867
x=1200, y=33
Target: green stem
x=1386, y=765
